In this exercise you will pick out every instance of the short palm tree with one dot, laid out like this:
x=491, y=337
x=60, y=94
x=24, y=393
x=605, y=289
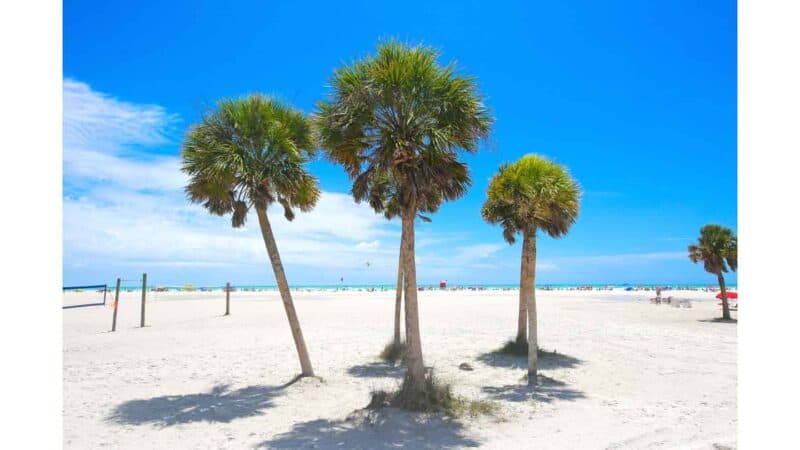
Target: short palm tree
x=250, y=153
x=716, y=248
x=397, y=122
x=529, y=195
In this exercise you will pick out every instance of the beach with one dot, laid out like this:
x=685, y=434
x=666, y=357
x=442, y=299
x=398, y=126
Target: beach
x=626, y=373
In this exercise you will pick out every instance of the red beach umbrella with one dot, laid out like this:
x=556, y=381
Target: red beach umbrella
x=728, y=294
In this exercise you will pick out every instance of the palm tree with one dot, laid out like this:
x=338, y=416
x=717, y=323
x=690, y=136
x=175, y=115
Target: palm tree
x=249, y=153
x=530, y=195
x=716, y=247
x=397, y=122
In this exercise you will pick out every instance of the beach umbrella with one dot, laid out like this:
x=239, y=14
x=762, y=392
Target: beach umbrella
x=729, y=295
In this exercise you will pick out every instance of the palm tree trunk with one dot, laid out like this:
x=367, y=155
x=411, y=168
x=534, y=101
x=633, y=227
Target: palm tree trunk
x=286, y=295
x=726, y=312
x=530, y=297
x=415, y=374
x=522, y=319
x=398, y=296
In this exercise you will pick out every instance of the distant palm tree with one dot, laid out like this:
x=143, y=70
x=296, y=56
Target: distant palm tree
x=249, y=153
x=716, y=247
x=396, y=121
x=530, y=195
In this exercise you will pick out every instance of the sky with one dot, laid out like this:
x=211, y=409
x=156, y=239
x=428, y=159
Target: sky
x=636, y=98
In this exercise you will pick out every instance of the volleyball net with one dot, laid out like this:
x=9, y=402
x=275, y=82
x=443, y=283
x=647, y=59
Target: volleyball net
x=83, y=296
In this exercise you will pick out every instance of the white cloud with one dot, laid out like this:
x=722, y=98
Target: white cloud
x=369, y=245
x=165, y=230
x=617, y=259
x=160, y=173
x=477, y=251
x=92, y=118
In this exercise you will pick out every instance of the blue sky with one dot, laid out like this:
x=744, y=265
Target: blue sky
x=637, y=98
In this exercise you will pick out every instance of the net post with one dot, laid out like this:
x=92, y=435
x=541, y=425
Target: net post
x=228, y=299
x=144, y=295
x=116, y=304
x=105, y=291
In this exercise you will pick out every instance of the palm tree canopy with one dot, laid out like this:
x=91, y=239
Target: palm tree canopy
x=396, y=121
x=530, y=194
x=250, y=152
x=716, y=248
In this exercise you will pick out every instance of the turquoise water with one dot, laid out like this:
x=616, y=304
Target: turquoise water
x=391, y=287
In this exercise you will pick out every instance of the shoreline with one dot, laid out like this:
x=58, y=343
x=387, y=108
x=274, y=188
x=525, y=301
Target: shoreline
x=421, y=287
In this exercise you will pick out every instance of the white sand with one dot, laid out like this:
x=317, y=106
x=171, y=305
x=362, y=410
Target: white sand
x=633, y=374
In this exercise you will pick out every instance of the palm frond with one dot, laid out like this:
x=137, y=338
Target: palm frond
x=532, y=193
x=397, y=121
x=716, y=248
x=248, y=151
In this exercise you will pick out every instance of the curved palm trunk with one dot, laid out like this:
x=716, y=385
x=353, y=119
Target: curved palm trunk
x=529, y=283
x=415, y=373
x=522, y=319
x=286, y=295
x=398, y=296
x=726, y=312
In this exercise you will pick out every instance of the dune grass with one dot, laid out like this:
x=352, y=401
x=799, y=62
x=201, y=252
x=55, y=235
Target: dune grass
x=435, y=397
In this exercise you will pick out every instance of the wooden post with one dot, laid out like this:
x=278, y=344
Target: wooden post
x=144, y=295
x=228, y=299
x=116, y=304
x=105, y=291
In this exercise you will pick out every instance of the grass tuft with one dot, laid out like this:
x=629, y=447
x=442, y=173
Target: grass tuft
x=393, y=352
x=514, y=348
x=434, y=397
x=475, y=408
x=517, y=348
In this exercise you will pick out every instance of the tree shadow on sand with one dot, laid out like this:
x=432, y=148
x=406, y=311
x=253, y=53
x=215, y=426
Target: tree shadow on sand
x=377, y=370
x=718, y=320
x=218, y=405
x=385, y=429
x=547, y=360
x=547, y=390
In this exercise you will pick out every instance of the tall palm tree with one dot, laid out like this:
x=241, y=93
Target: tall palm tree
x=250, y=153
x=529, y=195
x=717, y=248
x=397, y=122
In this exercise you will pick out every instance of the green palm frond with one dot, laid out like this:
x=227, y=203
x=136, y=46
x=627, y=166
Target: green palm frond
x=716, y=248
x=250, y=151
x=396, y=121
x=533, y=193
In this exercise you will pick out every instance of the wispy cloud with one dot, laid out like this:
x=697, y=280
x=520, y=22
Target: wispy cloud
x=92, y=119
x=625, y=258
